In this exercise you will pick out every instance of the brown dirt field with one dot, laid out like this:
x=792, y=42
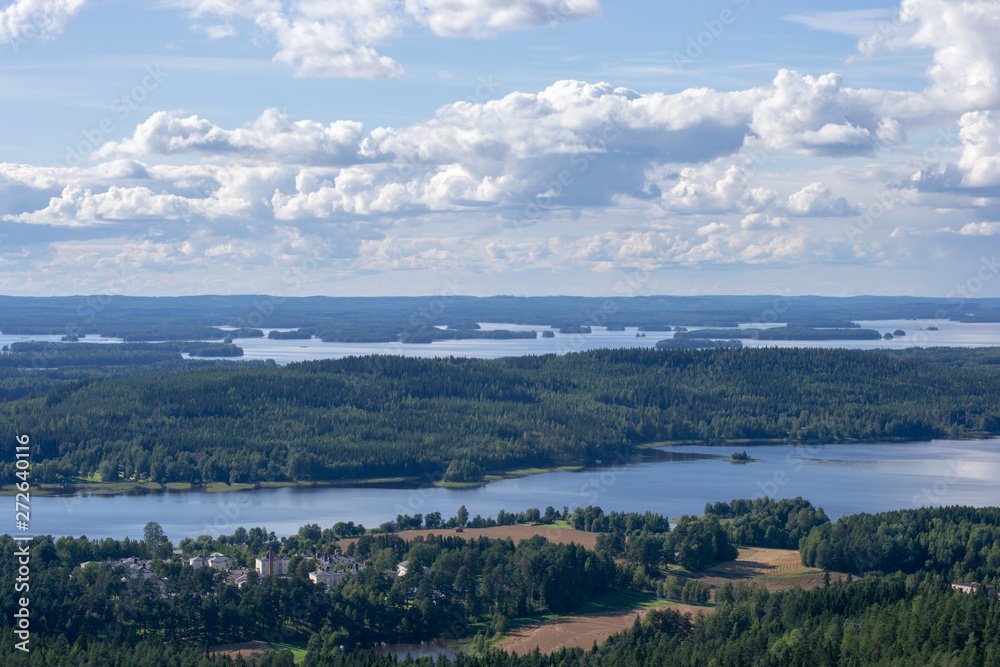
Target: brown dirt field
x=581, y=630
x=244, y=649
x=758, y=562
x=775, y=569
x=516, y=533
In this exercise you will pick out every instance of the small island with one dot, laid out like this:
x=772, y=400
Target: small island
x=741, y=457
x=289, y=335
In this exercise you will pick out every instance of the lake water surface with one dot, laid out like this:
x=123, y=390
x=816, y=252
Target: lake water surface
x=843, y=479
x=949, y=334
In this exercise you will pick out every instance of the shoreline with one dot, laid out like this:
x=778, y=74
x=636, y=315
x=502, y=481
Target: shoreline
x=143, y=488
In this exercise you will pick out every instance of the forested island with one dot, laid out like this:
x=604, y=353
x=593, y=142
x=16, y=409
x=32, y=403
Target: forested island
x=908, y=587
x=390, y=319
x=394, y=417
x=781, y=333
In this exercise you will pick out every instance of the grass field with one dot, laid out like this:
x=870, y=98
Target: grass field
x=298, y=649
x=222, y=487
x=595, y=622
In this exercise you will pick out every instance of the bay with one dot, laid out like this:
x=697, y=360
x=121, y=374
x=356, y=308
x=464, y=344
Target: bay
x=843, y=479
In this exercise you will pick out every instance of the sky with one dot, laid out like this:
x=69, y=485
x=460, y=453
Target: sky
x=480, y=147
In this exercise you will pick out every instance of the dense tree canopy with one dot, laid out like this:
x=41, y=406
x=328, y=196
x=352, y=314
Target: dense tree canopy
x=388, y=416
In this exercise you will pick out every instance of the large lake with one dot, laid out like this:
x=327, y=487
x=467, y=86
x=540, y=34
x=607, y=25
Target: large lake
x=843, y=479
x=949, y=334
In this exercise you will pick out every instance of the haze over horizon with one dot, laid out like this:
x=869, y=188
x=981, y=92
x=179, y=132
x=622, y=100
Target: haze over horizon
x=532, y=147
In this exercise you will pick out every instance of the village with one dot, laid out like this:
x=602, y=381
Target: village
x=330, y=568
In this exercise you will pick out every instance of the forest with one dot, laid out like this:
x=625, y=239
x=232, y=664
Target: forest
x=904, y=612
x=384, y=319
x=388, y=416
x=960, y=542
x=781, y=333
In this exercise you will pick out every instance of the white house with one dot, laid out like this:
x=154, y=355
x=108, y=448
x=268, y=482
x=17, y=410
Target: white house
x=973, y=587
x=404, y=567
x=331, y=579
x=263, y=565
x=221, y=561
x=197, y=561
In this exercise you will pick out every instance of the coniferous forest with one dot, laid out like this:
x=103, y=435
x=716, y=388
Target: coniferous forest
x=162, y=412
x=896, y=606
x=377, y=417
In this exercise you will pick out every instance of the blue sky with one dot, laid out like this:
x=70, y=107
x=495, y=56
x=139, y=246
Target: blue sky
x=476, y=146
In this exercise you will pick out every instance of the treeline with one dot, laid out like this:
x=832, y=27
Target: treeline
x=288, y=335
x=694, y=544
x=905, y=620
x=370, y=319
x=593, y=519
x=824, y=324
x=450, y=583
x=898, y=619
x=765, y=522
x=961, y=542
x=364, y=417
x=455, y=587
x=32, y=355
x=781, y=333
x=697, y=344
x=37, y=381
x=36, y=355
x=167, y=332
x=430, y=335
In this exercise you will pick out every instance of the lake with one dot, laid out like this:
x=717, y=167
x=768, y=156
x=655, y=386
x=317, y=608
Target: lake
x=949, y=334
x=843, y=479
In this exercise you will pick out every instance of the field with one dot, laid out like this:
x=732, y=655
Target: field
x=244, y=649
x=775, y=569
x=761, y=562
x=580, y=629
x=516, y=533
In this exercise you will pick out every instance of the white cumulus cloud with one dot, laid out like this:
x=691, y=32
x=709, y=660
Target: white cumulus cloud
x=36, y=19
x=485, y=18
x=340, y=38
x=816, y=199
